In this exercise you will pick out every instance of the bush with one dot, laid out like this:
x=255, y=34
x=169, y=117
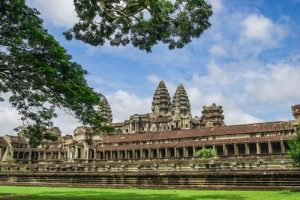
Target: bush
x=206, y=153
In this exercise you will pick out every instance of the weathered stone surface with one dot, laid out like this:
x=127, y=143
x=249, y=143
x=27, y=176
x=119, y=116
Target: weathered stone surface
x=161, y=103
x=105, y=110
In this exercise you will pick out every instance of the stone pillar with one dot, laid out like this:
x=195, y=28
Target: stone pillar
x=236, y=150
x=194, y=151
x=150, y=154
x=76, y=152
x=258, y=150
x=282, y=147
x=45, y=155
x=247, y=149
x=126, y=155
x=167, y=153
x=184, y=152
x=225, y=152
x=270, y=148
x=141, y=154
x=158, y=153
x=175, y=152
x=59, y=155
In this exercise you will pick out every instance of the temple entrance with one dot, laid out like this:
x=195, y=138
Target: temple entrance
x=252, y=149
x=230, y=149
x=276, y=146
x=264, y=149
x=163, y=153
x=241, y=149
x=219, y=150
x=190, y=152
x=180, y=152
x=172, y=152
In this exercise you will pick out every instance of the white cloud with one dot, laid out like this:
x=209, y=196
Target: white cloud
x=277, y=84
x=217, y=5
x=217, y=51
x=60, y=13
x=124, y=104
x=153, y=79
x=262, y=29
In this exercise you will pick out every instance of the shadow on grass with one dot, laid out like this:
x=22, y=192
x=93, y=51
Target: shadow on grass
x=93, y=195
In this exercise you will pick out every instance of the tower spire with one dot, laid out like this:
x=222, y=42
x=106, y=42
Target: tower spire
x=104, y=110
x=161, y=104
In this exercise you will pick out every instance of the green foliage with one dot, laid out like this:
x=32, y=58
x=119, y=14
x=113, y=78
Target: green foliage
x=62, y=193
x=37, y=74
x=294, y=151
x=206, y=153
x=143, y=23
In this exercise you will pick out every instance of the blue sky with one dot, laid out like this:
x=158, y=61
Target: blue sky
x=248, y=62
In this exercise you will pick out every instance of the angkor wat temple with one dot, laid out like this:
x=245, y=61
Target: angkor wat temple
x=164, y=140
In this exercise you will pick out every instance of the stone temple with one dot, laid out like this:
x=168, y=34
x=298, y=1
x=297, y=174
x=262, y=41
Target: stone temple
x=164, y=140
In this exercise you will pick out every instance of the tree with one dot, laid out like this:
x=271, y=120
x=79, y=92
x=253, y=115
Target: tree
x=294, y=144
x=143, y=23
x=206, y=153
x=37, y=75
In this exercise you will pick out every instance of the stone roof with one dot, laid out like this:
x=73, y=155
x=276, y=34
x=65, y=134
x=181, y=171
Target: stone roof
x=161, y=103
x=213, y=131
x=18, y=139
x=197, y=143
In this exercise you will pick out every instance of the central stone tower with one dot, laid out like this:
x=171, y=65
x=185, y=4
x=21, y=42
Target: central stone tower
x=181, y=109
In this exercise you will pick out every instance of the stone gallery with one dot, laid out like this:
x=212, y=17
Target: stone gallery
x=164, y=140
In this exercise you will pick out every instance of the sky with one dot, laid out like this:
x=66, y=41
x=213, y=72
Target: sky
x=248, y=62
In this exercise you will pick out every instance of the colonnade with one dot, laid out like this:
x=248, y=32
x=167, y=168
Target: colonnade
x=222, y=150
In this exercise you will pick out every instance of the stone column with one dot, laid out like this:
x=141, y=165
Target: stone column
x=45, y=155
x=167, y=153
x=184, y=152
x=258, y=150
x=194, y=151
x=59, y=155
x=150, y=154
x=270, y=148
x=236, y=150
x=76, y=152
x=282, y=147
x=225, y=152
x=247, y=149
x=175, y=152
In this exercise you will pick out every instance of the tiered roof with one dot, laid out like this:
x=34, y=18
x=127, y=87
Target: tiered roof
x=161, y=104
x=181, y=103
x=104, y=110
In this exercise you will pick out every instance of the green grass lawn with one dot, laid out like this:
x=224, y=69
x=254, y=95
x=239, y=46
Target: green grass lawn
x=57, y=193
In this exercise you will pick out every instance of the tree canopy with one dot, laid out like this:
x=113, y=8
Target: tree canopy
x=38, y=75
x=142, y=23
x=294, y=146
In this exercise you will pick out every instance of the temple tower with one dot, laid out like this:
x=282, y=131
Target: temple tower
x=296, y=113
x=104, y=110
x=212, y=116
x=161, y=104
x=181, y=109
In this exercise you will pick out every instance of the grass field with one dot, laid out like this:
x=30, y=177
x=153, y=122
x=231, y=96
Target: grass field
x=52, y=193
